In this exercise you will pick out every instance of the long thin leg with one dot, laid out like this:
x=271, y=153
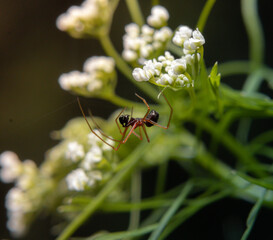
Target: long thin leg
x=144, y=129
x=145, y=104
x=90, y=125
x=170, y=117
x=116, y=120
x=129, y=134
x=98, y=127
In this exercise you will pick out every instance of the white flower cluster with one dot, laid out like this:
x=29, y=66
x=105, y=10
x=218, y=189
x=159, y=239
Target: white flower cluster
x=167, y=71
x=141, y=43
x=87, y=173
x=87, y=19
x=188, y=39
x=20, y=200
x=98, y=77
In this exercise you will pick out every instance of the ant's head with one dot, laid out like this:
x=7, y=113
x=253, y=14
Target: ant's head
x=153, y=116
x=124, y=119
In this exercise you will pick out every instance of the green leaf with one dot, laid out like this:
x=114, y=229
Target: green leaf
x=253, y=215
x=171, y=211
x=215, y=77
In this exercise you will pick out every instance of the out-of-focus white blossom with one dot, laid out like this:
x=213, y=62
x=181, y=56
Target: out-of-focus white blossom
x=74, y=152
x=142, y=43
x=96, y=63
x=11, y=167
x=79, y=180
x=17, y=204
x=98, y=78
x=87, y=19
x=159, y=17
x=93, y=156
x=28, y=177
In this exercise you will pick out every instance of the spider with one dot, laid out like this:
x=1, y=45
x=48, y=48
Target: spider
x=150, y=119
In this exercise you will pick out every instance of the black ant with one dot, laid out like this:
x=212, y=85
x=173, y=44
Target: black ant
x=150, y=119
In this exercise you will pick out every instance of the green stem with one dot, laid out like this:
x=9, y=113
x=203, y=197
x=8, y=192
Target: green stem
x=135, y=198
x=254, y=31
x=205, y=14
x=161, y=177
x=171, y=211
x=129, y=163
x=119, y=101
x=124, y=68
x=135, y=12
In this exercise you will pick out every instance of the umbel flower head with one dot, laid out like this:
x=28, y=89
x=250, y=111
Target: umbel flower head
x=98, y=78
x=89, y=19
x=166, y=71
x=146, y=42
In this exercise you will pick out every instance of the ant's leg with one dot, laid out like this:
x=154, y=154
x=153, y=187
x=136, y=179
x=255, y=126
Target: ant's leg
x=144, y=129
x=129, y=134
x=91, y=127
x=170, y=117
x=145, y=104
x=116, y=120
x=98, y=127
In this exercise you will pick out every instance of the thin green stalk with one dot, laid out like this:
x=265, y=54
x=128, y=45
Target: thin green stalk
x=124, y=68
x=205, y=14
x=253, y=215
x=234, y=68
x=129, y=163
x=171, y=211
x=254, y=30
x=161, y=177
x=119, y=101
x=135, y=198
x=135, y=12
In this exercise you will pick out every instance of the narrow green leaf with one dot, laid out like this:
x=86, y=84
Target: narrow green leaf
x=171, y=211
x=253, y=215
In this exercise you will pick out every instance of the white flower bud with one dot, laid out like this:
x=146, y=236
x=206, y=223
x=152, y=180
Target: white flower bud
x=139, y=75
x=181, y=35
x=129, y=55
x=94, y=155
x=132, y=30
x=96, y=63
x=77, y=180
x=163, y=35
x=11, y=165
x=159, y=17
x=74, y=151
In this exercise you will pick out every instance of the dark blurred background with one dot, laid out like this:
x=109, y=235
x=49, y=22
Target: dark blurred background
x=33, y=54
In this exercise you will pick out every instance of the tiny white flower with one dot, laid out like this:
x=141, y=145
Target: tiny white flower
x=140, y=75
x=96, y=63
x=74, y=151
x=181, y=35
x=11, y=167
x=197, y=35
x=94, y=85
x=159, y=17
x=93, y=156
x=163, y=34
x=129, y=55
x=17, y=200
x=16, y=223
x=28, y=177
x=146, y=30
x=165, y=79
x=146, y=50
x=77, y=180
x=73, y=79
x=132, y=30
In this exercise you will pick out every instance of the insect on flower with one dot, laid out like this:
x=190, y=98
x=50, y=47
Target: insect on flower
x=150, y=119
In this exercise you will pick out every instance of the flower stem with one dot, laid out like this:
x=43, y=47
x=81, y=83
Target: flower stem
x=135, y=11
x=204, y=15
